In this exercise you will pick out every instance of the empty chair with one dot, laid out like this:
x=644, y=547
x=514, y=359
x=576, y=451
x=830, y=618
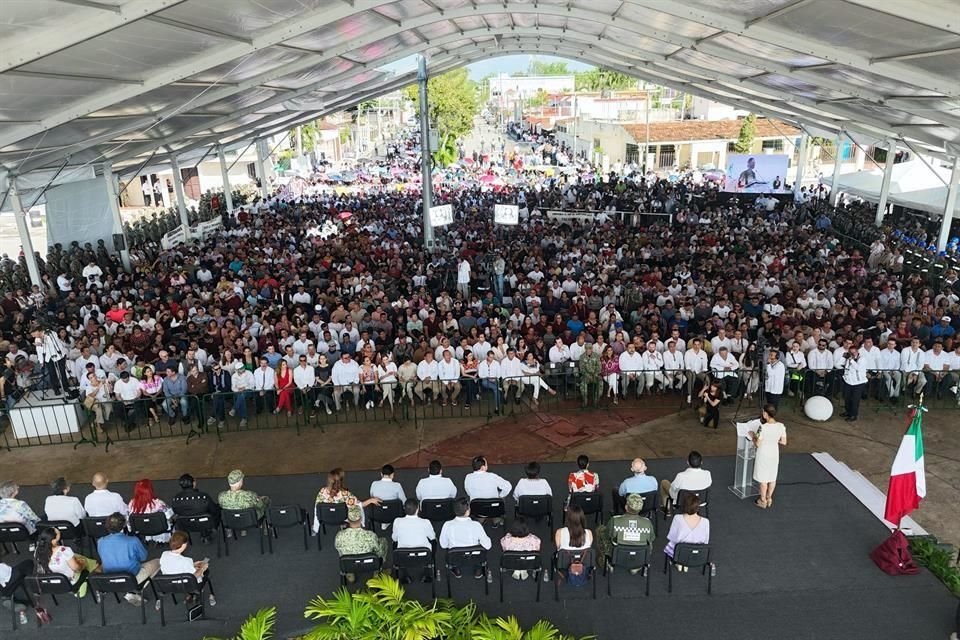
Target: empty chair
x=94, y=529
x=413, y=560
x=628, y=558
x=703, y=494
x=591, y=503
x=205, y=524
x=118, y=584
x=241, y=520
x=182, y=583
x=461, y=558
x=53, y=585
x=144, y=525
x=689, y=555
x=565, y=559
x=68, y=532
x=528, y=561
x=285, y=517
x=384, y=514
x=359, y=564
x=12, y=533
x=329, y=513
x=536, y=508
x=488, y=508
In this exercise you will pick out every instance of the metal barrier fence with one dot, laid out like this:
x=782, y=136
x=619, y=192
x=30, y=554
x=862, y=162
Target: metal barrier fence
x=417, y=404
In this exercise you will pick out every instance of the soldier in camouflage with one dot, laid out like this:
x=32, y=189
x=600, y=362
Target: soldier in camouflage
x=589, y=366
x=238, y=498
x=355, y=540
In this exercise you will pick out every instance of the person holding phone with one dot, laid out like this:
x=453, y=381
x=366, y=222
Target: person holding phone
x=174, y=562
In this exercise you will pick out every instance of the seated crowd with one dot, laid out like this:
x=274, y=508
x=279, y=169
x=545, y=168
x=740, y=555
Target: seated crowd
x=60, y=522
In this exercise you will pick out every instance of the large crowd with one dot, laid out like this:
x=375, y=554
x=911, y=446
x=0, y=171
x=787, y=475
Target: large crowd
x=308, y=299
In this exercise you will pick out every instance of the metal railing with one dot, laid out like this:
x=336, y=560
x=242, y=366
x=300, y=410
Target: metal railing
x=417, y=404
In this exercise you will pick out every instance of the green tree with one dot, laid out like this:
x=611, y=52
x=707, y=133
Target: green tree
x=544, y=68
x=748, y=131
x=259, y=626
x=453, y=106
x=539, y=99
x=603, y=80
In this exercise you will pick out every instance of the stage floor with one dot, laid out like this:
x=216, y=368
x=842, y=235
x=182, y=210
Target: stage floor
x=797, y=571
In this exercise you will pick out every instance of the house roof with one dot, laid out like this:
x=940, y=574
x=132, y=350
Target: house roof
x=684, y=130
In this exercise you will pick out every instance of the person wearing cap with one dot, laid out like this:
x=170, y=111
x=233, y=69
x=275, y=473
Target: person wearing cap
x=59, y=505
x=943, y=330
x=241, y=384
x=237, y=498
x=355, y=540
x=628, y=529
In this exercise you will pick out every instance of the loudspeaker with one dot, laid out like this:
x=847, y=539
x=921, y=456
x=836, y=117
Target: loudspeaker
x=118, y=242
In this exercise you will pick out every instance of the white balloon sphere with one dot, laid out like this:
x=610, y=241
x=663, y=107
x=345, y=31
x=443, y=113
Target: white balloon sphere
x=818, y=408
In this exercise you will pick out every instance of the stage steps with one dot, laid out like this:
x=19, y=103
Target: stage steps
x=865, y=491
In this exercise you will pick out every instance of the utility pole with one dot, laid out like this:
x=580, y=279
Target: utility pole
x=427, y=183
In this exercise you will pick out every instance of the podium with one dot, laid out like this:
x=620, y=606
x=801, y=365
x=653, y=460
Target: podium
x=743, y=485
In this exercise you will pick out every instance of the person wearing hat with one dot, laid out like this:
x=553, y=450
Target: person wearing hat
x=628, y=529
x=237, y=498
x=942, y=330
x=355, y=540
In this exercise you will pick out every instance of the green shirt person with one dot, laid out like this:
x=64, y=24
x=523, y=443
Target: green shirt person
x=238, y=498
x=629, y=529
x=589, y=366
x=355, y=540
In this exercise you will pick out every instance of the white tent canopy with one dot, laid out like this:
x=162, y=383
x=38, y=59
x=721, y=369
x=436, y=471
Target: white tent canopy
x=137, y=81
x=906, y=177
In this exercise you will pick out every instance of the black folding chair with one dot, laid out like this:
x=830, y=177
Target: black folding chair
x=118, y=583
x=11, y=533
x=466, y=557
x=359, y=564
x=93, y=530
x=412, y=560
x=384, y=514
x=241, y=520
x=562, y=560
x=329, y=513
x=651, y=503
x=68, y=532
x=205, y=524
x=628, y=558
x=437, y=511
x=182, y=583
x=12, y=598
x=54, y=584
x=528, y=561
x=687, y=554
x=144, y=525
x=591, y=503
x=285, y=517
x=704, y=495
x=535, y=507
x=488, y=508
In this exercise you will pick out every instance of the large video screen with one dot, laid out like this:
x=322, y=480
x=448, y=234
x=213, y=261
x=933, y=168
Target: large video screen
x=756, y=173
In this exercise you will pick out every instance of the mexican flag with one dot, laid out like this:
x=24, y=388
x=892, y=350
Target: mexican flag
x=908, y=483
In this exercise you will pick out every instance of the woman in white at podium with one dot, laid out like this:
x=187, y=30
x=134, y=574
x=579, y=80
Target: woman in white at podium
x=768, y=438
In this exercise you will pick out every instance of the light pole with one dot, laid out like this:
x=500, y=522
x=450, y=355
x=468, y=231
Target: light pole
x=427, y=182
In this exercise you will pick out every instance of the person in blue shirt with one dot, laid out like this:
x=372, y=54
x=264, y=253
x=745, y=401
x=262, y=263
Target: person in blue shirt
x=639, y=482
x=943, y=329
x=575, y=324
x=122, y=553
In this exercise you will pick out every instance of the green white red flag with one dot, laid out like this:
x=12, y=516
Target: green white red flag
x=908, y=482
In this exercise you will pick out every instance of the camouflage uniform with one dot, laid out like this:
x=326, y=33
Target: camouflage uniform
x=242, y=499
x=628, y=529
x=356, y=540
x=589, y=366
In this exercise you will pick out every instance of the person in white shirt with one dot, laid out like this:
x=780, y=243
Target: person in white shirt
x=346, y=379
x=463, y=278
x=533, y=484
x=695, y=364
x=693, y=478
x=483, y=484
x=435, y=486
x=724, y=367
x=559, y=352
x=911, y=365
x=448, y=372
x=387, y=376
x=775, y=376
x=413, y=532
x=820, y=363
x=855, y=377
x=511, y=371
x=463, y=532
x=480, y=349
x=653, y=367
x=738, y=344
x=428, y=378
x=174, y=562
x=265, y=384
x=796, y=364
x=62, y=506
x=631, y=370
x=532, y=376
x=871, y=355
x=386, y=488
x=102, y=502
x=936, y=367
x=888, y=365
x=488, y=372
x=720, y=340
x=673, y=374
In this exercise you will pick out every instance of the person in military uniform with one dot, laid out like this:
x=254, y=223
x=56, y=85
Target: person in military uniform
x=239, y=498
x=589, y=366
x=355, y=540
x=628, y=529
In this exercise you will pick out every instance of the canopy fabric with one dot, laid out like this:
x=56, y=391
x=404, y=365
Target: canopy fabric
x=913, y=184
x=132, y=82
